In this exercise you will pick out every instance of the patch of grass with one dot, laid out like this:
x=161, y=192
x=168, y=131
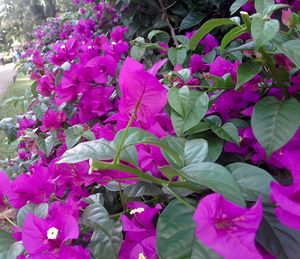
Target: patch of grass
x=18, y=88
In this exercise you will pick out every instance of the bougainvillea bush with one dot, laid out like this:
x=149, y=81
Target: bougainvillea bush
x=181, y=142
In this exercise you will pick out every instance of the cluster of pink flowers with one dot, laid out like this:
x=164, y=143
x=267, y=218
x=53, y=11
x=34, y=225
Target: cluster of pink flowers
x=88, y=86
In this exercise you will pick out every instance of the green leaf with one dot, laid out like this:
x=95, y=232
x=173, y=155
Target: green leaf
x=195, y=151
x=73, y=135
x=215, y=177
x=261, y=5
x=263, y=31
x=231, y=35
x=279, y=240
x=247, y=71
x=208, y=27
x=270, y=9
x=275, y=122
x=95, y=198
x=104, y=245
x=253, y=181
x=228, y=132
x=100, y=149
x=138, y=136
x=6, y=241
x=191, y=19
x=137, y=52
x=96, y=216
x=179, y=99
x=196, y=110
x=159, y=35
x=177, y=56
x=237, y=5
x=190, y=151
x=292, y=50
x=40, y=210
x=141, y=189
x=15, y=250
x=176, y=234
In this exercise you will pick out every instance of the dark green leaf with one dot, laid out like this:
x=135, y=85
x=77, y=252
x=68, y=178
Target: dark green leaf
x=104, y=245
x=281, y=241
x=208, y=27
x=100, y=149
x=252, y=180
x=231, y=35
x=176, y=234
x=215, y=177
x=275, y=122
x=247, y=71
x=191, y=19
x=96, y=216
x=142, y=189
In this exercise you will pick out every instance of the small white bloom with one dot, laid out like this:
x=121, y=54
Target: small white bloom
x=137, y=210
x=52, y=233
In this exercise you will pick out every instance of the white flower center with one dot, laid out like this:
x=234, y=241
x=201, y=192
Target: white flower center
x=142, y=256
x=137, y=210
x=52, y=233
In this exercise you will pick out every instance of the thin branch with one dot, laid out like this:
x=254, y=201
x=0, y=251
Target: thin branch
x=172, y=30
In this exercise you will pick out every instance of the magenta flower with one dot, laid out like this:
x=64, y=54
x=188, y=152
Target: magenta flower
x=4, y=188
x=43, y=236
x=209, y=42
x=287, y=198
x=227, y=228
x=142, y=93
x=34, y=187
x=52, y=120
x=197, y=64
x=38, y=60
x=140, y=238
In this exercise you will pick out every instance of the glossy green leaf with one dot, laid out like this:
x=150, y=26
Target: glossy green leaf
x=177, y=56
x=263, y=31
x=253, y=181
x=96, y=216
x=228, y=132
x=100, y=149
x=107, y=245
x=215, y=177
x=176, y=234
x=208, y=27
x=247, y=71
x=231, y=35
x=40, y=210
x=191, y=19
x=275, y=122
x=137, y=52
x=179, y=99
x=141, y=189
x=272, y=8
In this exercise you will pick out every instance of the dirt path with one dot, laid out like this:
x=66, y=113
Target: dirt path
x=7, y=74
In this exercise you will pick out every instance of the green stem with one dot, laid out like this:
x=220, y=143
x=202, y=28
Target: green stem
x=97, y=165
x=247, y=20
x=179, y=198
x=120, y=146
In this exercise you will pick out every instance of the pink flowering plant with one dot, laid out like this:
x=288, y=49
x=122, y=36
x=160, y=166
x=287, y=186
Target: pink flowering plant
x=174, y=144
